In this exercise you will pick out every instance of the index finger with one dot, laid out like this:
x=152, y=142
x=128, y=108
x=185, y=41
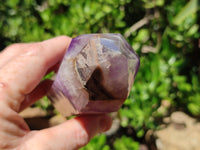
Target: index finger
x=20, y=76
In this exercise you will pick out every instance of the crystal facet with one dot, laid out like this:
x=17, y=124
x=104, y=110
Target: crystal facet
x=95, y=76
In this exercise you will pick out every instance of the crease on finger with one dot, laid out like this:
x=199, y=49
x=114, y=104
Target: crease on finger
x=39, y=92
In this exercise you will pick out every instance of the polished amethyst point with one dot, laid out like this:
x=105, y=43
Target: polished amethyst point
x=95, y=76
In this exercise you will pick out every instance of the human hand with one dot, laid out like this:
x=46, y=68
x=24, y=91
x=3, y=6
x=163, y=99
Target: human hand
x=22, y=67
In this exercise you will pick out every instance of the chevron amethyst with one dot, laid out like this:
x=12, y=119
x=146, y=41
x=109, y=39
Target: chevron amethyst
x=95, y=76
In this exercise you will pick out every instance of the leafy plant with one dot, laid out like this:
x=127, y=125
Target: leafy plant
x=126, y=143
x=97, y=143
x=164, y=33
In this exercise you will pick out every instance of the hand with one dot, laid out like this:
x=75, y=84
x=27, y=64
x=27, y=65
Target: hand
x=22, y=67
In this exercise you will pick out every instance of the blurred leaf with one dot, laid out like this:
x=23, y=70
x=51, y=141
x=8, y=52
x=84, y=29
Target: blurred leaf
x=194, y=108
x=140, y=133
x=126, y=143
x=12, y=3
x=97, y=143
x=160, y=2
x=193, y=30
x=191, y=7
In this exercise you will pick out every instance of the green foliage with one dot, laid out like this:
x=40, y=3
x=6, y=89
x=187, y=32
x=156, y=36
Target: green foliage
x=43, y=103
x=164, y=33
x=97, y=143
x=122, y=143
x=38, y=20
x=126, y=143
x=190, y=8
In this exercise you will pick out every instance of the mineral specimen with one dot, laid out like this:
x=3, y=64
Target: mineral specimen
x=95, y=76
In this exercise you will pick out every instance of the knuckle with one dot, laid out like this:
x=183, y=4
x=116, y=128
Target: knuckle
x=37, y=51
x=3, y=87
x=34, y=49
x=4, y=144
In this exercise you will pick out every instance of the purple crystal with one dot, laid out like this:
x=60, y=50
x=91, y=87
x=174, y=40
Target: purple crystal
x=95, y=76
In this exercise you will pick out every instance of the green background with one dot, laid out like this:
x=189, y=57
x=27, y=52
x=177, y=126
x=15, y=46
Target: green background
x=164, y=33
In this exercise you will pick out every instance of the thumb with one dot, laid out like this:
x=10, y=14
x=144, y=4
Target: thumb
x=70, y=135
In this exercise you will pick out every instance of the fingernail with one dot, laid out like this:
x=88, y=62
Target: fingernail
x=105, y=123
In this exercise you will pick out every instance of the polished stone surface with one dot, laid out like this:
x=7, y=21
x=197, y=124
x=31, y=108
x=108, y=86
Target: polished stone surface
x=95, y=76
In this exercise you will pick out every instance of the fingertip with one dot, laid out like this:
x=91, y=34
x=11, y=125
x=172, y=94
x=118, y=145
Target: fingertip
x=88, y=126
x=94, y=124
x=65, y=38
x=105, y=123
x=60, y=39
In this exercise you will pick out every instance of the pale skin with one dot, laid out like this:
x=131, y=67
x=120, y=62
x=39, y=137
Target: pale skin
x=22, y=66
